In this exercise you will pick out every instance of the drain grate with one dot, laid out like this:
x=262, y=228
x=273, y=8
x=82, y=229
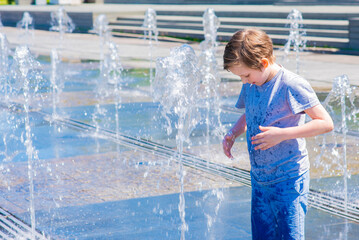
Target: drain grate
x=13, y=228
x=319, y=200
x=334, y=205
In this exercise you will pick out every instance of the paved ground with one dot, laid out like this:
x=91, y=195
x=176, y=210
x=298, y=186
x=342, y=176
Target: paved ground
x=135, y=196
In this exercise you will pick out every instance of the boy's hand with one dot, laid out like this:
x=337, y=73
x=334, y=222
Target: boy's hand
x=227, y=143
x=269, y=137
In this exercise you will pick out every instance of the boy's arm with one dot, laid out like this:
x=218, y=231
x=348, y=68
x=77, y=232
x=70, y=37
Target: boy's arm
x=239, y=127
x=270, y=136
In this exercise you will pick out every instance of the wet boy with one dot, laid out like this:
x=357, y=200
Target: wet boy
x=275, y=101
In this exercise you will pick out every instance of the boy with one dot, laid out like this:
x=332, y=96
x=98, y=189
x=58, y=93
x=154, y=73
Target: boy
x=275, y=101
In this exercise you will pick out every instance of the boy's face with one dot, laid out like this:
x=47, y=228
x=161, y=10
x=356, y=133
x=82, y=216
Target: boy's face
x=250, y=75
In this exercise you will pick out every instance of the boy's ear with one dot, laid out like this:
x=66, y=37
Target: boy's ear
x=265, y=62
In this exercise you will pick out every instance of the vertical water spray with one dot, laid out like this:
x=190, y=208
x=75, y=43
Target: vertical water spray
x=113, y=72
x=111, y=79
x=210, y=25
x=175, y=87
x=101, y=93
x=61, y=22
x=4, y=71
x=211, y=80
x=5, y=75
x=150, y=32
x=208, y=68
x=340, y=104
x=27, y=24
x=1, y=25
x=55, y=83
x=102, y=30
x=26, y=78
x=296, y=38
x=342, y=88
x=4, y=65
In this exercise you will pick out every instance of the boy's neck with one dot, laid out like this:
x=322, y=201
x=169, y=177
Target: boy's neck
x=274, y=69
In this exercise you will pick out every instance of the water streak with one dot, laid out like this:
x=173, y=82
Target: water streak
x=340, y=104
x=26, y=26
x=210, y=24
x=26, y=22
x=61, y=22
x=1, y=25
x=113, y=72
x=150, y=32
x=297, y=34
x=210, y=77
x=176, y=88
x=103, y=31
x=4, y=64
x=55, y=80
x=25, y=66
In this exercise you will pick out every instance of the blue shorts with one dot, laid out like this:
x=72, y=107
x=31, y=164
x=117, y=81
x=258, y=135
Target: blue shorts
x=278, y=210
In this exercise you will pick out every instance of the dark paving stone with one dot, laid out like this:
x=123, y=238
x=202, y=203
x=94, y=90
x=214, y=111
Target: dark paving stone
x=158, y=218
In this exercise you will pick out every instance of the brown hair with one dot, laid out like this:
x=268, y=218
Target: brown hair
x=248, y=46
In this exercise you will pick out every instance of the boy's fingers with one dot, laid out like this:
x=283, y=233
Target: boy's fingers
x=262, y=146
x=227, y=150
x=228, y=153
x=258, y=136
x=258, y=141
x=227, y=145
x=264, y=128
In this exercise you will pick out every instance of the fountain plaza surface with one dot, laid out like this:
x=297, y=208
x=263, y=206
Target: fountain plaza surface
x=91, y=181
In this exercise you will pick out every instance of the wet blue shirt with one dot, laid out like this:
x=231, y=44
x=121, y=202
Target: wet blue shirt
x=278, y=103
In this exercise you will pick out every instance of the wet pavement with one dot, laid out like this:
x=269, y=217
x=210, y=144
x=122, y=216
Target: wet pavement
x=102, y=196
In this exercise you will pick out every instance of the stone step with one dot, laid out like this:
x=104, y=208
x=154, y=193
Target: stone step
x=257, y=22
x=224, y=36
x=264, y=14
x=233, y=28
x=324, y=29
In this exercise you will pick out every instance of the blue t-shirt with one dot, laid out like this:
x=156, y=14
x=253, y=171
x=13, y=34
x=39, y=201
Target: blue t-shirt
x=278, y=103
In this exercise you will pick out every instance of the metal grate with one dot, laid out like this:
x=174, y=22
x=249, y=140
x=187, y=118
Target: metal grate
x=13, y=228
x=320, y=200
